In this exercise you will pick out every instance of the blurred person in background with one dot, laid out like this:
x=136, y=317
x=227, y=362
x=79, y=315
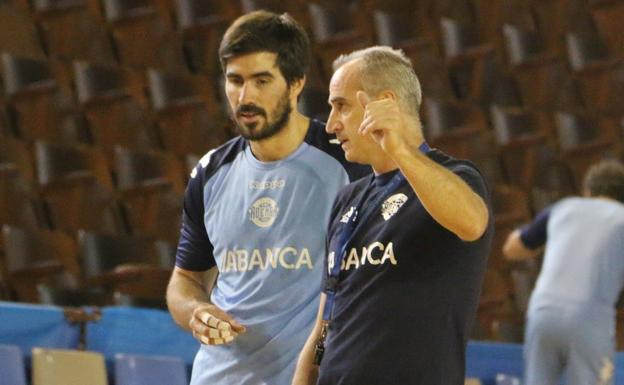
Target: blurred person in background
x=249, y=260
x=571, y=315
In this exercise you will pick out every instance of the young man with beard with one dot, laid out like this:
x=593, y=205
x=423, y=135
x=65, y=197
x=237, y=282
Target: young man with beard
x=255, y=212
x=407, y=247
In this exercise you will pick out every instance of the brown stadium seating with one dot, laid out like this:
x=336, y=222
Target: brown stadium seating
x=18, y=34
x=520, y=134
x=601, y=88
x=553, y=181
x=608, y=19
x=67, y=367
x=142, y=36
x=586, y=52
x=43, y=106
x=71, y=31
x=296, y=8
x=584, y=140
x=18, y=199
x=5, y=122
x=77, y=189
x=511, y=209
x=497, y=317
x=113, y=102
x=334, y=27
x=129, y=265
x=551, y=18
x=398, y=28
x=461, y=41
x=201, y=25
x=36, y=256
x=61, y=291
x=151, y=185
x=461, y=129
x=186, y=111
x=541, y=75
x=523, y=277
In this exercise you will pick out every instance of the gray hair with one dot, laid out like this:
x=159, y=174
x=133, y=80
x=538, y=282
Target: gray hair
x=384, y=68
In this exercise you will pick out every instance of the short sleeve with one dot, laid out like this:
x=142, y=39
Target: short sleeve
x=534, y=234
x=195, y=251
x=474, y=179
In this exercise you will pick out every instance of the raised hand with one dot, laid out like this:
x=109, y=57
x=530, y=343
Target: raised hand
x=386, y=123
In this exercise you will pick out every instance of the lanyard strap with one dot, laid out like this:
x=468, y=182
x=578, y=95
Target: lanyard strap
x=355, y=223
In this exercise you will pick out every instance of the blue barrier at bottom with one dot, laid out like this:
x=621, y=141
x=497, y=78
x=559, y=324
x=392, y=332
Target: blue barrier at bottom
x=153, y=332
x=140, y=331
x=28, y=326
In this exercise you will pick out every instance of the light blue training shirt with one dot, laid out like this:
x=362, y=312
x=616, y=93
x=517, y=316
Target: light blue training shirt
x=263, y=224
x=583, y=263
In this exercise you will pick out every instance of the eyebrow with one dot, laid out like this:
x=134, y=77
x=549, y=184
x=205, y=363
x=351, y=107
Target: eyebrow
x=336, y=99
x=256, y=75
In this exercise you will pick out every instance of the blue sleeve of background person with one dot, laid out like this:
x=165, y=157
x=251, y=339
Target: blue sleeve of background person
x=533, y=235
x=194, y=248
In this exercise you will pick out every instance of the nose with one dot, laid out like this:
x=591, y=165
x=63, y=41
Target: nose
x=246, y=94
x=333, y=125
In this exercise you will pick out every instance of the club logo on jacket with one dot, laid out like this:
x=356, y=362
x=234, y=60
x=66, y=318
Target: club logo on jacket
x=347, y=216
x=392, y=205
x=263, y=212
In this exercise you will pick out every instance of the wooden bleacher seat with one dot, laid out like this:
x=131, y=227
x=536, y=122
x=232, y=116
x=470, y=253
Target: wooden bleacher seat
x=511, y=210
x=496, y=313
x=151, y=185
x=584, y=140
x=295, y=8
x=553, y=181
x=187, y=113
x=36, y=256
x=608, y=19
x=520, y=134
x=129, y=265
x=335, y=31
x=18, y=34
x=67, y=367
x=144, y=36
x=71, y=31
x=76, y=186
x=40, y=102
x=201, y=25
x=113, y=102
x=19, y=203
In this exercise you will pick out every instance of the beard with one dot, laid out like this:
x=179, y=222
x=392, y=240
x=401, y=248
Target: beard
x=256, y=131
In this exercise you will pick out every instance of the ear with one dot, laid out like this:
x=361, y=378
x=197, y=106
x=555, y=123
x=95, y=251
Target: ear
x=362, y=98
x=296, y=87
x=388, y=94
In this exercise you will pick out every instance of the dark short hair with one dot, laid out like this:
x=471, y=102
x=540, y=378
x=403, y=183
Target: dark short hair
x=266, y=31
x=605, y=178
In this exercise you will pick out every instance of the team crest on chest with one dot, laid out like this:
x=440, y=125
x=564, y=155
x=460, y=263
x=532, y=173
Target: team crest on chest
x=263, y=212
x=392, y=205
